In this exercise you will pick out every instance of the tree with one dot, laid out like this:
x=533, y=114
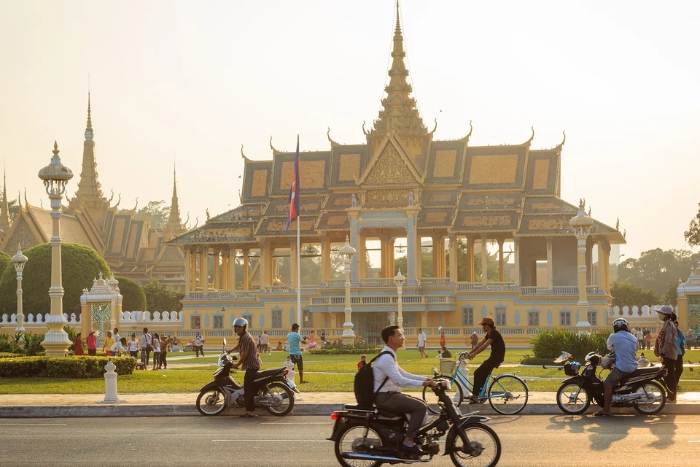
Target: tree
x=671, y=295
x=657, y=268
x=160, y=298
x=5, y=261
x=628, y=294
x=692, y=235
x=158, y=211
x=81, y=264
x=134, y=297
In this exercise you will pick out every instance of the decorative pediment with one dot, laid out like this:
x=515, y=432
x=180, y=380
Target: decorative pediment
x=391, y=167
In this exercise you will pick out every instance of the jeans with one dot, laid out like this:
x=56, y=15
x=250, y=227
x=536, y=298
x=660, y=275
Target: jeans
x=670, y=379
x=163, y=360
x=250, y=389
x=679, y=368
x=156, y=359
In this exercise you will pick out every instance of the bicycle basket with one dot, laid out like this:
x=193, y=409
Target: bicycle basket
x=447, y=367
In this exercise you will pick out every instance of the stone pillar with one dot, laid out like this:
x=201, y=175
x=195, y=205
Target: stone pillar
x=246, y=267
x=392, y=260
x=424, y=319
x=193, y=270
x=501, y=277
x=353, y=241
x=484, y=262
x=361, y=256
x=204, y=271
x=436, y=255
x=516, y=258
x=454, y=271
x=470, y=260
x=325, y=259
x=411, y=252
x=232, y=270
x=188, y=272
x=419, y=256
x=217, y=277
x=224, y=270
x=550, y=265
x=262, y=265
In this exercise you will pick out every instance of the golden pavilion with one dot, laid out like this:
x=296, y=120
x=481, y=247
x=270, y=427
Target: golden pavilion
x=402, y=189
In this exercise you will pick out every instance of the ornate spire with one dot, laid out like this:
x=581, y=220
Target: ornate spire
x=4, y=208
x=89, y=192
x=400, y=112
x=88, y=128
x=174, y=225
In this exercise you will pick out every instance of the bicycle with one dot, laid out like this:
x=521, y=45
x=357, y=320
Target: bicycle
x=507, y=394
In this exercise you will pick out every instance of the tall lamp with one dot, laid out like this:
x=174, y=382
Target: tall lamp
x=19, y=260
x=348, y=252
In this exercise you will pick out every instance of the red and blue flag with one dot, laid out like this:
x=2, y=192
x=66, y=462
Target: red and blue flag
x=294, y=190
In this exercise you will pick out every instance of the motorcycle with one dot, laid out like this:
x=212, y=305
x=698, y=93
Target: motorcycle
x=371, y=437
x=274, y=391
x=644, y=389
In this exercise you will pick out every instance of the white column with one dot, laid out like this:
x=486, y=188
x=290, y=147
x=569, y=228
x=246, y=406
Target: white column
x=550, y=265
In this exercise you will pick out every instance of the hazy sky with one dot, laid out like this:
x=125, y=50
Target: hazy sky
x=192, y=81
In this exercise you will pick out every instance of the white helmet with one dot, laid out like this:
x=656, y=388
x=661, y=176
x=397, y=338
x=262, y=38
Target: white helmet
x=242, y=322
x=620, y=324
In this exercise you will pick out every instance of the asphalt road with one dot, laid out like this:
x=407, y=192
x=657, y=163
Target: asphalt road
x=533, y=440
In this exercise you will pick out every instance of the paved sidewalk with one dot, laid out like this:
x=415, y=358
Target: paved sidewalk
x=311, y=403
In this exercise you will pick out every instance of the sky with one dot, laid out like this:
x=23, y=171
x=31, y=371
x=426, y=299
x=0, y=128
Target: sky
x=190, y=82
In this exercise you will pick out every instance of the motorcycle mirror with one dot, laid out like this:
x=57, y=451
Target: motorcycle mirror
x=224, y=342
x=435, y=373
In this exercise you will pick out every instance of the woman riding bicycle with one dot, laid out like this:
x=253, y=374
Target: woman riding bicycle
x=498, y=353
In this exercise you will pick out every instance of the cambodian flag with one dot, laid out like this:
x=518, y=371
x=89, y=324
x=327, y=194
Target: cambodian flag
x=294, y=190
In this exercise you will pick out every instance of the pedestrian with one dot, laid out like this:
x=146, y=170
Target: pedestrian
x=199, y=344
x=294, y=341
x=78, y=341
x=680, y=343
x=640, y=339
x=146, y=346
x=156, y=350
x=311, y=337
x=647, y=339
x=258, y=344
x=92, y=343
x=665, y=348
x=133, y=346
x=250, y=362
x=107, y=343
x=323, y=337
x=442, y=338
x=446, y=353
x=264, y=342
x=165, y=343
x=689, y=338
x=474, y=340
x=362, y=362
x=116, y=335
x=119, y=346
x=421, y=343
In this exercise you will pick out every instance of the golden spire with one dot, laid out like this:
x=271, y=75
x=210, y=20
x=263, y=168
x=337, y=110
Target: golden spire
x=89, y=192
x=174, y=226
x=89, y=120
x=5, y=211
x=400, y=112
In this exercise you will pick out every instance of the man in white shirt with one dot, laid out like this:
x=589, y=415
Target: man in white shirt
x=264, y=342
x=389, y=378
x=421, y=343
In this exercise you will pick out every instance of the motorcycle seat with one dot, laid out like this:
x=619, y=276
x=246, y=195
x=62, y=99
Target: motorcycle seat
x=643, y=371
x=271, y=372
x=360, y=408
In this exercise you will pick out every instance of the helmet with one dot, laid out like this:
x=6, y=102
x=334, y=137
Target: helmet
x=242, y=322
x=620, y=324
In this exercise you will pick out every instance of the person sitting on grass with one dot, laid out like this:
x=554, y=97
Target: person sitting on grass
x=446, y=353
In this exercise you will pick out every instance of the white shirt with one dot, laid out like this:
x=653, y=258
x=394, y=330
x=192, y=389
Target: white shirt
x=386, y=366
x=115, y=347
x=198, y=340
x=264, y=339
x=625, y=346
x=133, y=345
x=145, y=340
x=421, y=339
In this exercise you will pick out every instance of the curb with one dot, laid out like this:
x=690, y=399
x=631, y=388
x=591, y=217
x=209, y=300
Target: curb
x=181, y=410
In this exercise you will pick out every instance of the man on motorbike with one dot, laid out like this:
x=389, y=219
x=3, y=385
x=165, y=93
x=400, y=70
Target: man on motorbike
x=498, y=354
x=250, y=362
x=389, y=378
x=624, y=344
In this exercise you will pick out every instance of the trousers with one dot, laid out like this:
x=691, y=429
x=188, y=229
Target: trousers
x=250, y=389
x=482, y=373
x=401, y=403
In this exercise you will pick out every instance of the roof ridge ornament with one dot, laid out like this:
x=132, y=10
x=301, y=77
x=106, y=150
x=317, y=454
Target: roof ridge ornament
x=531, y=137
x=471, y=128
x=328, y=134
x=243, y=155
x=435, y=128
x=275, y=151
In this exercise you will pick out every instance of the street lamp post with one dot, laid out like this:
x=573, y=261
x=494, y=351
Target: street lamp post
x=581, y=225
x=348, y=252
x=55, y=177
x=19, y=260
x=399, y=280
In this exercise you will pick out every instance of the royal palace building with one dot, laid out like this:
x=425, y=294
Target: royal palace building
x=402, y=192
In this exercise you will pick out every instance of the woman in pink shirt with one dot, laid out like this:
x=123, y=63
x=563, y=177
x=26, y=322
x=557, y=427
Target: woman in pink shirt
x=92, y=343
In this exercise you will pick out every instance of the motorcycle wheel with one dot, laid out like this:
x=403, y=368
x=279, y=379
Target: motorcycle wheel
x=280, y=390
x=431, y=399
x=486, y=443
x=211, y=402
x=651, y=389
x=352, y=440
x=572, y=399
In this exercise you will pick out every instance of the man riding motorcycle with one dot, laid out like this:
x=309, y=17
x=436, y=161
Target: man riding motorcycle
x=250, y=361
x=389, y=378
x=624, y=344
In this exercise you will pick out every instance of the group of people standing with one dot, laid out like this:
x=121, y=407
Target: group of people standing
x=114, y=345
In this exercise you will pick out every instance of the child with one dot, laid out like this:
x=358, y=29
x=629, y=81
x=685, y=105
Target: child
x=362, y=362
x=643, y=362
x=439, y=355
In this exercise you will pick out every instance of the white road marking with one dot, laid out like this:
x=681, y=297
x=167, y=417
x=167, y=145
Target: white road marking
x=265, y=440
x=34, y=424
x=292, y=423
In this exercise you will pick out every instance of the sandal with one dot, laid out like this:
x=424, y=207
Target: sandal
x=249, y=415
x=474, y=401
x=602, y=414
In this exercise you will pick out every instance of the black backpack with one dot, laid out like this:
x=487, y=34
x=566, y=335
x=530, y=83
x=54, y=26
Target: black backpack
x=364, y=383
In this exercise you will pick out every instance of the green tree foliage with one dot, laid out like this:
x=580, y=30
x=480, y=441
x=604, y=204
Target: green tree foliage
x=549, y=344
x=656, y=269
x=134, y=296
x=692, y=235
x=81, y=264
x=628, y=294
x=671, y=295
x=158, y=211
x=160, y=298
x=5, y=261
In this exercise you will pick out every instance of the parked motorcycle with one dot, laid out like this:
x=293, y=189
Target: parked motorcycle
x=370, y=437
x=644, y=389
x=274, y=392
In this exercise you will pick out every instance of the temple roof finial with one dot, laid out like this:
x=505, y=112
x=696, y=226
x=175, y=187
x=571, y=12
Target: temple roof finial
x=398, y=20
x=89, y=119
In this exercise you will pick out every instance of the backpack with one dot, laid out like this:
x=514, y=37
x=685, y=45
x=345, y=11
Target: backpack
x=364, y=383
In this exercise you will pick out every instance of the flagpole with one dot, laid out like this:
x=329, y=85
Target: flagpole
x=299, y=272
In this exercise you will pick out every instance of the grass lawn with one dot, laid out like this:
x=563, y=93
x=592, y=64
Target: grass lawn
x=332, y=373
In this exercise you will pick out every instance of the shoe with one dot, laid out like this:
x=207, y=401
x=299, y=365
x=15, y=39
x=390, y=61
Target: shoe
x=415, y=449
x=671, y=401
x=249, y=415
x=602, y=414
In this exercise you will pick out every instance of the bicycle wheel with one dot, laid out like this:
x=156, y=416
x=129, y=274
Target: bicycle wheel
x=508, y=394
x=484, y=447
x=430, y=398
